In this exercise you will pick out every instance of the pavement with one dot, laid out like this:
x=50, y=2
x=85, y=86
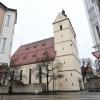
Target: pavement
x=59, y=96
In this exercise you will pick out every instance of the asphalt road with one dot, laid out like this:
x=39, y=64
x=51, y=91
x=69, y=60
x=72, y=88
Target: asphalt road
x=61, y=96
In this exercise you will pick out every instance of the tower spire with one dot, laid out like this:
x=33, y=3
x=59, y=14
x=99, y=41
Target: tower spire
x=63, y=12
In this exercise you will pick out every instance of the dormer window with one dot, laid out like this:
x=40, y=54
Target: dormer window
x=43, y=44
x=60, y=27
x=35, y=46
x=15, y=59
x=34, y=55
x=27, y=48
x=44, y=53
x=24, y=57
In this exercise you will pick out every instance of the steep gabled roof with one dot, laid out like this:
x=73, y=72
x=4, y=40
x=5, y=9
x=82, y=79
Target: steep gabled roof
x=34, y=52
x=8, y=9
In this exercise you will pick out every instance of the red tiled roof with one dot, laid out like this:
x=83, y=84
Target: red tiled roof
x=34, y=52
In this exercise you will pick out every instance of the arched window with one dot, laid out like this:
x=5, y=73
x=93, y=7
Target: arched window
x=30, y=72
x=21, y=74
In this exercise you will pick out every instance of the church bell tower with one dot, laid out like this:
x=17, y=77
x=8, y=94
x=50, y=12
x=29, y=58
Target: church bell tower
x=67, y=53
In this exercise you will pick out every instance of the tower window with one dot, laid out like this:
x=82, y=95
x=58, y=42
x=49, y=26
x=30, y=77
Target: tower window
x=60, y=27
x=70, y=44
x=72, y=84
x=71, y=74
x=61, y=35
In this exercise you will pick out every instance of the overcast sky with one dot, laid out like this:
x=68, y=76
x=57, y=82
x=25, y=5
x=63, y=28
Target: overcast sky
x=35, y=18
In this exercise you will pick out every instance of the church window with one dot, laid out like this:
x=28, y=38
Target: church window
x=63, y=48
x=37, y=75
x=21, y=74
x=66, y=79
x=30, y=72
x=60, y=27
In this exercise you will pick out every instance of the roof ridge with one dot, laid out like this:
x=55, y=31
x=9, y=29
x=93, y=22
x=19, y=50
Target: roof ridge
x=37, y=41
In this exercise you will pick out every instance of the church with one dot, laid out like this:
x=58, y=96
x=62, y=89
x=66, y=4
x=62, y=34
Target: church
x=61, y=48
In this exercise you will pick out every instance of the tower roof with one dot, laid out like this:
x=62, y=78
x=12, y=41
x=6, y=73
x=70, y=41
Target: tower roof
x=61, y=16
x=63, y=13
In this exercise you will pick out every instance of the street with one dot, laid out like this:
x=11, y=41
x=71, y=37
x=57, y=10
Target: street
x=61, y=96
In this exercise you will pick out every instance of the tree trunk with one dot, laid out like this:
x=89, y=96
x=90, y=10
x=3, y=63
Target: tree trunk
x=11, y=82
x=47, y=83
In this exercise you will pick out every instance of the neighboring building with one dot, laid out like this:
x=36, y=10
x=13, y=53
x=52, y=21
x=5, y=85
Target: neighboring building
x=94, y=84
x=8, y=19
x=87, y=73
x=93, y=13
x=64, y=45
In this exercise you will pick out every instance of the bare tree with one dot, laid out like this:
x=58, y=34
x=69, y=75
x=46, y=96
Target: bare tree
x=86, y=67
x=88, y=62
x=8, y=77
x=49, y=70
x=83, y=62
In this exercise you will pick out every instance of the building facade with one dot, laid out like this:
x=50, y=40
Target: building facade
x=93, y=13
x=62, y=48
x=8, y=19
